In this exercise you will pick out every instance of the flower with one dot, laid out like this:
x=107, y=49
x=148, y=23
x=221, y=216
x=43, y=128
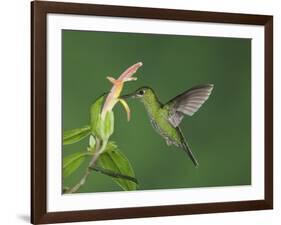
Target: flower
x=113, y=96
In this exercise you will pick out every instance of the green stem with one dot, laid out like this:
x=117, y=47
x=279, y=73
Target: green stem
x=92, y=164
x=114, y=174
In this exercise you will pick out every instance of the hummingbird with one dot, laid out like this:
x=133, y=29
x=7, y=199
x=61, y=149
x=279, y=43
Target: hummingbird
x=166, y=118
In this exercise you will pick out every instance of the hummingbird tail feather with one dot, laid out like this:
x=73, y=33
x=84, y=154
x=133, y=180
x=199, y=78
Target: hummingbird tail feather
x=187, y=149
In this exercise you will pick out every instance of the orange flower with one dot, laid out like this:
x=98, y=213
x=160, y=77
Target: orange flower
x=113, y=96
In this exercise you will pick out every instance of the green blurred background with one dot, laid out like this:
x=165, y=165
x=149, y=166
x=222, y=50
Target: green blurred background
x=219, y=133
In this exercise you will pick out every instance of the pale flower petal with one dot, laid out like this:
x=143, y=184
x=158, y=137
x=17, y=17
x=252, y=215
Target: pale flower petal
x=111, y=79
x=126, y=107
x=113, y=96
x=130, y=71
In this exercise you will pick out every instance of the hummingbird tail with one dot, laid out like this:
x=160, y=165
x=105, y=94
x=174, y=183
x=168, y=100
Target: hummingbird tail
x=187, y=149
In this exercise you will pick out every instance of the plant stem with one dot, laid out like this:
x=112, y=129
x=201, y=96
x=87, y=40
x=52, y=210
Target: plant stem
x=99, y=150
x=80, y=183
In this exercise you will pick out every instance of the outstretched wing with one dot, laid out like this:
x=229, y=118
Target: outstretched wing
x=187, y=103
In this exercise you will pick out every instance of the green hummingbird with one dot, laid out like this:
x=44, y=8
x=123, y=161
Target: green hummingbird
x=166, y=118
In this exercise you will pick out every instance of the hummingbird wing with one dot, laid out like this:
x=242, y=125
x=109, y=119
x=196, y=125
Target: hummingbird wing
x=187, y=103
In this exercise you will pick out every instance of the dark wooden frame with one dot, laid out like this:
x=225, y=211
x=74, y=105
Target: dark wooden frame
x=39, y=11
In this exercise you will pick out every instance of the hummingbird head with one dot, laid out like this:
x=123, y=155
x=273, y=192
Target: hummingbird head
x=147, y=96
x=141, y=93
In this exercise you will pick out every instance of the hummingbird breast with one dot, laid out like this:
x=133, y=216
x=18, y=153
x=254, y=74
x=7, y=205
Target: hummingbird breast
x=163, y=127
x=159, y=119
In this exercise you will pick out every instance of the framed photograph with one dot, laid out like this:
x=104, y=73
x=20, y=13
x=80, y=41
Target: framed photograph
x=143, y=112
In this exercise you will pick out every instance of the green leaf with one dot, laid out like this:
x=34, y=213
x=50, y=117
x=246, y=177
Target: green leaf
x=109, y=124
x=95, y=115
x=99, y=129
x=72, y=162
x=112, y=159
x=75, y=135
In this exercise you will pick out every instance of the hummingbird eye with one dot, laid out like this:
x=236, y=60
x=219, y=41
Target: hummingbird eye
x=141, y=92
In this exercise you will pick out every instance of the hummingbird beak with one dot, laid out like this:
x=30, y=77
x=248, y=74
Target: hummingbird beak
x=128, y=96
